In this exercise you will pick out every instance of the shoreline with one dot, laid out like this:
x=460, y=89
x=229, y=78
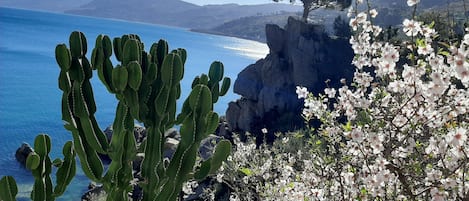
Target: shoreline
x=202, y=31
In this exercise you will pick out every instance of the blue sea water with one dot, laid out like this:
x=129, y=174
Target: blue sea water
x=29, y=94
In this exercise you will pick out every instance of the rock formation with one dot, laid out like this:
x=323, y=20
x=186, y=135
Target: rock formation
x=300, y=55
x=22, y=153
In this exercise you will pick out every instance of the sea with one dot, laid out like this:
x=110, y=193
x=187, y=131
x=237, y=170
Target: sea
x=29, y=95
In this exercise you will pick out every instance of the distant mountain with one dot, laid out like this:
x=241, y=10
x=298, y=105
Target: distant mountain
x=251, y=28
x=243, y=21
x=176, y=12
x=46, y=5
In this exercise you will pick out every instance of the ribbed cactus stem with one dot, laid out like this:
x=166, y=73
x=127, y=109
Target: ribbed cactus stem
x=147, y=86
x=8, y=189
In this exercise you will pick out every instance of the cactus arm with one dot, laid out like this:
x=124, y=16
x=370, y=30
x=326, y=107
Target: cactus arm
x=131, y=51
x=225, y=86
x=211, y=165
x=151, y=165
x=216, y=71
x=89, y=160
x=77, y=44
x=63, y=57
x=67, y=170
x=135, y=75
x=8, y=188
x=123, y=151
x=42, y=188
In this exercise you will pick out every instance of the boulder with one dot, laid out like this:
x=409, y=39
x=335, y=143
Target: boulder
x=139, y=132
x=301, y=54
x=22, y=153
x=207, y=146
x=95, y=192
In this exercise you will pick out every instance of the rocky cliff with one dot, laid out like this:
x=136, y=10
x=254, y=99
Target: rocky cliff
x=301, y=54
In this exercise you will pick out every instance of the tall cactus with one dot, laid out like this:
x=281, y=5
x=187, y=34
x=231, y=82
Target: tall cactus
x=147, y=86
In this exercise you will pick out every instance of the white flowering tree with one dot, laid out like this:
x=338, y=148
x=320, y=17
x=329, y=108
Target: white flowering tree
x=405, y=134
x=398, y=132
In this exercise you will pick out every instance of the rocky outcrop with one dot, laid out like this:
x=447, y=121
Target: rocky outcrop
x=22, y=153
x=300, y=55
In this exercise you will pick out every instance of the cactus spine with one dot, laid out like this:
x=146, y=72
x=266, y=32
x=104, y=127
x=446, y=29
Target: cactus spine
x=147, y=86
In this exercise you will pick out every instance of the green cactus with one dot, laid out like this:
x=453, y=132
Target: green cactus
x=8, y=188
x=78, y=106
x=40, y=164
x=147, y=86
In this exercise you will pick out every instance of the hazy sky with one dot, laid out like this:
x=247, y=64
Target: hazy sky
x=242, y=2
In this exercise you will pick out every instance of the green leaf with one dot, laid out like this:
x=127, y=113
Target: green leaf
x=246, y=171
x=348, y=127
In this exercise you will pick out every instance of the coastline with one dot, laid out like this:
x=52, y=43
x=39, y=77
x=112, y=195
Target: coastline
x=202, y=31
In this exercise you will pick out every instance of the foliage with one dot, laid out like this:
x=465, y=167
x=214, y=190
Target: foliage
x=309, y=5
x=147, y=86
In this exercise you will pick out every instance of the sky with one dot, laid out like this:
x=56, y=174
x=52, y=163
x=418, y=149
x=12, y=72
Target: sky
x=242, y=2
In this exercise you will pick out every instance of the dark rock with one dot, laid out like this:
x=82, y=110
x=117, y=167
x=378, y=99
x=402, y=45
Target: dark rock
x=170, y=147
x=249, y=77
x=207, y=146
x=139, y=132
x=172, y=133
x=22, y=153
x=241, y=114
x=301, y=54
x=223, y=129
x=94, y=192
x=275, y=38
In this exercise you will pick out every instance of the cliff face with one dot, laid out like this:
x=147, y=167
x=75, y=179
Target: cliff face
x=300, y=55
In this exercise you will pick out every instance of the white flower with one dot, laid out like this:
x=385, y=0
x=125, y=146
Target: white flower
x=302, y=92
x=425, y=50
x=466, y=39
x=457, y=137
x=462, y=72
x=411, y=27
x=357, y=135
x=220, y=177
x=399, y=120
x=330, y=92
x=412, y=2
x=373, y=13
